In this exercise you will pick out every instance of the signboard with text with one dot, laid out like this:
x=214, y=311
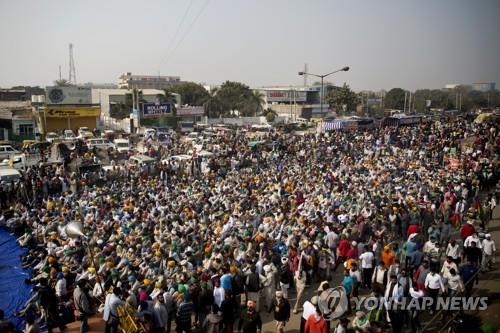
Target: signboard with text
x=72, y=112
x=191, y=111
x=156, y=109
x=68, y=95
x=285, y=96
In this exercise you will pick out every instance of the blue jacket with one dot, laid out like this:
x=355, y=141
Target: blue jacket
x=348, y=284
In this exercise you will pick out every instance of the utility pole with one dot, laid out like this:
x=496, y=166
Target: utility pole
x=367, y=110
x=305, y=75
x=404, y=108
x=72, y=70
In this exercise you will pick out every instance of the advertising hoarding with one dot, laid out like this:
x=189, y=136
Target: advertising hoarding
x=285, y=96
x=68, y=95
x=156, y=109
x=72, y=111
x=191, y=111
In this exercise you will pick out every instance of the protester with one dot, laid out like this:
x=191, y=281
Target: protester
x=281, y=309
x=250, y=321
x=257, y=219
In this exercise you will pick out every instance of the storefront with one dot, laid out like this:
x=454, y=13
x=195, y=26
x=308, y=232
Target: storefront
x=58, y=118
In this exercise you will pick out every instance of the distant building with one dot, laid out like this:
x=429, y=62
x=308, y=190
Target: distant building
x=294, y=102
x=479, y=86
x=100, y=85
x=452, y=85
x=16, y=120
x=106, y=98
x=484, y=86
x=129, y=81
x=12, y=95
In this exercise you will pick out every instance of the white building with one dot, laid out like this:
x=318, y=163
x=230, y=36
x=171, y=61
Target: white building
x=294, y=102
x=130, y=81
x=107, y=97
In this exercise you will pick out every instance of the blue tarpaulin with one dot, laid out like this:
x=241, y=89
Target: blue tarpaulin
x=13, y=291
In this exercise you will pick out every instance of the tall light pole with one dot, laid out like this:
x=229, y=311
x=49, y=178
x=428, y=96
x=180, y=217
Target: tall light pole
x=344, y=69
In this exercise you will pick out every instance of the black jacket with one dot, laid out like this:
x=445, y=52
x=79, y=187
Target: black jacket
x=281, y=309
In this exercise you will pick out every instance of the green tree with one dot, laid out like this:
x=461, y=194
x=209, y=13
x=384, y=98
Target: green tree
x=252, y=105
x=395, y=99
x=193, y=94
x=270, y=115
x=338, y=97
x=121, y=110
x=233, y=96
x=62, y=83
x=213, y=105
x=168, y=97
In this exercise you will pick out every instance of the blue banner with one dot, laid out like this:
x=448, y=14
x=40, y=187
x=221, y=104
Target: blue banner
x=156, y=109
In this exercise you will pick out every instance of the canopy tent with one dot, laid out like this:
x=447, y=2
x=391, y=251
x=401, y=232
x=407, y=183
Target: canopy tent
x=13, y=291
x=252, y=144
x=332, y=125
x=402, y=120
x=482, y=117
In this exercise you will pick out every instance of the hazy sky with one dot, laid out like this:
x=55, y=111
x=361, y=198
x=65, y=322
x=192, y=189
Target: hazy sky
x=387, y=43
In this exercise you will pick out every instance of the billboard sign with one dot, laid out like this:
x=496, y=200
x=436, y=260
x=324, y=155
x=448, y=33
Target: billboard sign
x=156, y=109
x=68, y=95
x=285, y=96
x=191, y=111
x=72, y=111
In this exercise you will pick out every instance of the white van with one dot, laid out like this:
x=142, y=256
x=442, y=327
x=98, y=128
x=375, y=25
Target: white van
x=9, y=175
x=136, y=160
x=122, y=145
x=7, y=151
x=99, y=143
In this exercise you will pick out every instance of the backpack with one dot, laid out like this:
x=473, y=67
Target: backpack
x=253, y=282
x=285, y=275
x=237, y=284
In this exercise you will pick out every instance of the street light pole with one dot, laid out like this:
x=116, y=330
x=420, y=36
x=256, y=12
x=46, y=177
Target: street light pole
x=321, y=97
x=322, y=77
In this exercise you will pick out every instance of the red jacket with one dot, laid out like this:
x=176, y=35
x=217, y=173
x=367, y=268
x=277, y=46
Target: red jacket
x=467, y=230
x=313, y=325
x=412, y=229
x=343, y=247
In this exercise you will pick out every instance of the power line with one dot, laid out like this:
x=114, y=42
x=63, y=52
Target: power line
x=174, y=36
x=188, y=30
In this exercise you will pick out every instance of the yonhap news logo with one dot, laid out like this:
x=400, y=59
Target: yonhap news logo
x=418, y=304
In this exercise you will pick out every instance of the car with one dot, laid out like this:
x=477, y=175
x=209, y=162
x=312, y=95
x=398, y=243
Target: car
x=99, y=143
x=108, y=134
x=122, y=145
x=149, y=133
x=83, y=130
x=69, y=135
x=6, y=151
x=136, y=160
x=51, y=136
x=193, y=136
x=9, y=175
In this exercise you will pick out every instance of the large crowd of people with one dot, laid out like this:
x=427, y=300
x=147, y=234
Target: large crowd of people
x=211, y=244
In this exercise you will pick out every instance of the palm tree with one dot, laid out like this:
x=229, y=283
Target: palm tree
x=258, y=100
x=270, y=114
x=213, y=106
x=168, y=97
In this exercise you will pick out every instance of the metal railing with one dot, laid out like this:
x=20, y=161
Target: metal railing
x=428, y=326
x=128, y=320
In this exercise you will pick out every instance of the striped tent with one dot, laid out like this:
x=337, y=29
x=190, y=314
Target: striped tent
x=333, y=125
